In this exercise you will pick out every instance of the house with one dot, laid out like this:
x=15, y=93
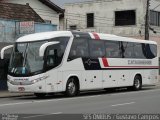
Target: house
x=11, y=18
x=119, y=17
x=17, y=20
x=19, y=12
x=47, y=10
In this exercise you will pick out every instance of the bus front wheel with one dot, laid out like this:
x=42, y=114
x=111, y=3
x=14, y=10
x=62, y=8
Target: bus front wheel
x=71, y=88
x=137, y=84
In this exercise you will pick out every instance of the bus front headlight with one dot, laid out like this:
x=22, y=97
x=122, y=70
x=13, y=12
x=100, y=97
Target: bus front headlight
x=39, y=79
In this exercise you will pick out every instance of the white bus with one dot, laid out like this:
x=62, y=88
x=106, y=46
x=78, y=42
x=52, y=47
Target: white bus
x=70, y=62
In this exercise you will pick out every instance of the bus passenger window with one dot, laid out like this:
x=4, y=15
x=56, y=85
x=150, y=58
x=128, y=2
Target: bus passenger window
x=73, y=53
x=138, y=49
x=79, y=49
x=112, y=49
x=151, y=51
x=96, y=49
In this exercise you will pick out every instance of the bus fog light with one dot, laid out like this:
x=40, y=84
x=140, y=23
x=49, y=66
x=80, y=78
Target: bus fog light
x=35, y=81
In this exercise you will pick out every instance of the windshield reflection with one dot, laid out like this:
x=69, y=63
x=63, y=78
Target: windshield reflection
x=25, y=58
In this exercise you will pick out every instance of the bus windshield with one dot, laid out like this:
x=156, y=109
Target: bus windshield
x=25, y=59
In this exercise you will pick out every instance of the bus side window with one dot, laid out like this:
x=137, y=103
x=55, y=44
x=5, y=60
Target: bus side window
x=73, y=53
x=61, y=50
x=50, y=58
x=151, y=51
x=79, y=49
x=96, y=49
x=112, y=49
x=138, y=49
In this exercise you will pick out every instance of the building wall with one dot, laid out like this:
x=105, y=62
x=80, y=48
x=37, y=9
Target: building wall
x=62, y=25
x=42, y=10
x=104, y=17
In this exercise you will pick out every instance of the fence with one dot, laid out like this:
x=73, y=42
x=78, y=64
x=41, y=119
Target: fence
x=10, y=30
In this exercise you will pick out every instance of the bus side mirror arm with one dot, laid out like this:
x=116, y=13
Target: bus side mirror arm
x=3, y=50
x=44, y=46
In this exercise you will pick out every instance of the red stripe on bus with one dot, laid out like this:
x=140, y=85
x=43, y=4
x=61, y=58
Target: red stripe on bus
x=105, y=62
x=133, y=67
x=96, y=36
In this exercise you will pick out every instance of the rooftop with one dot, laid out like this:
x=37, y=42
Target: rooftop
x=18, y=12
x=52, y=6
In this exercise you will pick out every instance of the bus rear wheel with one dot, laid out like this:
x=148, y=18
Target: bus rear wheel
x=71, y=88
x=137, y=85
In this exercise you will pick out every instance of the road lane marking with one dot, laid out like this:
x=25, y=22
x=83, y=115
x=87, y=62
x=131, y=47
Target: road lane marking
x=75, y=98
x=42, y=115
x=134, y=92
x=122, y=104
x=8, y=104
x=42, y=101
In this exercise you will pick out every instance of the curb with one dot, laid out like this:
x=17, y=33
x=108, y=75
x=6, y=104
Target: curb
x=14, y=96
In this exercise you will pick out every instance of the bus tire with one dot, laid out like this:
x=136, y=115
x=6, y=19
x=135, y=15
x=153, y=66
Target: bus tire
x=137, y=84
x=72, y=88
x=40, y=95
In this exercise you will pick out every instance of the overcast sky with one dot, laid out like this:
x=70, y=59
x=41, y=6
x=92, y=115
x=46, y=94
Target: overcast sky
x=62, y=2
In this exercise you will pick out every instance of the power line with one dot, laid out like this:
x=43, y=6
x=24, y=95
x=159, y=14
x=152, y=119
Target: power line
x=53, y=17
x=82, y=15
x=42, y=9
x=45, y=12
x=78, y=20
x=85, y=17
x=83, y=26
x=156, y=7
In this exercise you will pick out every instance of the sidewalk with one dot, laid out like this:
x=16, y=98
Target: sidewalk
x=6, y=94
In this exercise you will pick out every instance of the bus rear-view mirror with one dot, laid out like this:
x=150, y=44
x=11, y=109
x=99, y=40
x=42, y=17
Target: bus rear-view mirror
x=4, y=49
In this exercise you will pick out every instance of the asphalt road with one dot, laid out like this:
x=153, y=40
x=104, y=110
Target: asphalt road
x=116, y=102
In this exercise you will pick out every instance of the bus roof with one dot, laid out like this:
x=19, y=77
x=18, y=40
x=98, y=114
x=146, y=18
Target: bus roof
x=52, y=34
x=126, y=39
x=43, y=36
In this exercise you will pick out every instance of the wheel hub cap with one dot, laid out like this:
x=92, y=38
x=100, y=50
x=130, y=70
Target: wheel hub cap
x=71, y=87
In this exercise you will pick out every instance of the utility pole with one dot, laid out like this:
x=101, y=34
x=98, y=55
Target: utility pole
x=66, y=24
x=147, y=21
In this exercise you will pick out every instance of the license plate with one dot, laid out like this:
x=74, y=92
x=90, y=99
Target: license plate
x=21, y=89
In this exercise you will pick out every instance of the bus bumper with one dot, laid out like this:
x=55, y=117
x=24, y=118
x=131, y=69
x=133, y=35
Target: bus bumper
x=38, y=87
